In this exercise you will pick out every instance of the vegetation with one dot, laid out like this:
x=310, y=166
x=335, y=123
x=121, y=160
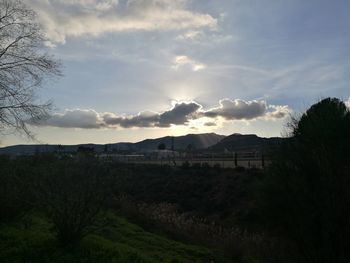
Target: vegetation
x=73, y=195
x=15, y=198
x=161, y=146
x=119, y=242
x=67, y=216
x=305, y=197
x=211, y=192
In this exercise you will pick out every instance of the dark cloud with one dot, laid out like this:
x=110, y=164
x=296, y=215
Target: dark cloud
x=77, y=118
x=238, y=109
x=180, y=114
x=143, y=119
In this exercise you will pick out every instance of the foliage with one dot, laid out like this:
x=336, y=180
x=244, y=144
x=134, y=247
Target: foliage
x=305, y=197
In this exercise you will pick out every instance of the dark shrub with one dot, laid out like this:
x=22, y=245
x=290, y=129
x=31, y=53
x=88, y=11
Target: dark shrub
x=73, y=194
x=196, y=166
x=240, y=169
x=185, y=165
x=15, y=196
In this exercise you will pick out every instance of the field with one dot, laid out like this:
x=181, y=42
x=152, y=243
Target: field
x=172, y=210
x=120, y=242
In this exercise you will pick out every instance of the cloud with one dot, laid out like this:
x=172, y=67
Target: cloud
x=190, y=35
x=143, y=119
x=347, y=103
x=77, y=18
x=237, y=109
x=246, y=110
x=77, y=118
x=181, y=113
x=186, y=62
x=278, y=112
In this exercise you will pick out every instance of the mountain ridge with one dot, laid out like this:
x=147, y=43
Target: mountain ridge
x=208, y=142
x=198, y=141
x=245, y=143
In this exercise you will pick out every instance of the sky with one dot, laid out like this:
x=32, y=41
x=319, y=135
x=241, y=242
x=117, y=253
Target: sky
x=137, y=69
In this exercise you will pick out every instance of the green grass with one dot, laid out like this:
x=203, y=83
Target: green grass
x=119, y=242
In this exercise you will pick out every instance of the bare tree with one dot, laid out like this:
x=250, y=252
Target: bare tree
x=73, y=194
x=24, y=65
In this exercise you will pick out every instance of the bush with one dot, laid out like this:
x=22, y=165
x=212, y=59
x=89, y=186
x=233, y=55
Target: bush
x=73, y=194
x=240, y=169
x=197, y=166
x=185, y=165
x=15, y=196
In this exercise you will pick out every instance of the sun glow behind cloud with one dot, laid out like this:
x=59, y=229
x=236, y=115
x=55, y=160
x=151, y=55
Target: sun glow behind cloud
x=181, y=113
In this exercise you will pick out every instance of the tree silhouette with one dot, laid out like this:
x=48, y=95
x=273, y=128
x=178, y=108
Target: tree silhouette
x=190, y=147
x=161, y=146
x=23, y=67
x=305, y=196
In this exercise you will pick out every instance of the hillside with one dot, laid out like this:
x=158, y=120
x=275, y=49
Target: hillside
x=210, y=141
x=198, y=141
x=245, y=143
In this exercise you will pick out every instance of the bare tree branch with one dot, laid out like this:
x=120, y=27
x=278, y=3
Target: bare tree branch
x=24, y=65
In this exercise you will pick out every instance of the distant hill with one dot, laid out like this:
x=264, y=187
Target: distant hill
x=198, y=141
x=245, y=143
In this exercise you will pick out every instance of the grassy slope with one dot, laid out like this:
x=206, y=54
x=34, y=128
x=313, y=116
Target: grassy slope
x=119, y=242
